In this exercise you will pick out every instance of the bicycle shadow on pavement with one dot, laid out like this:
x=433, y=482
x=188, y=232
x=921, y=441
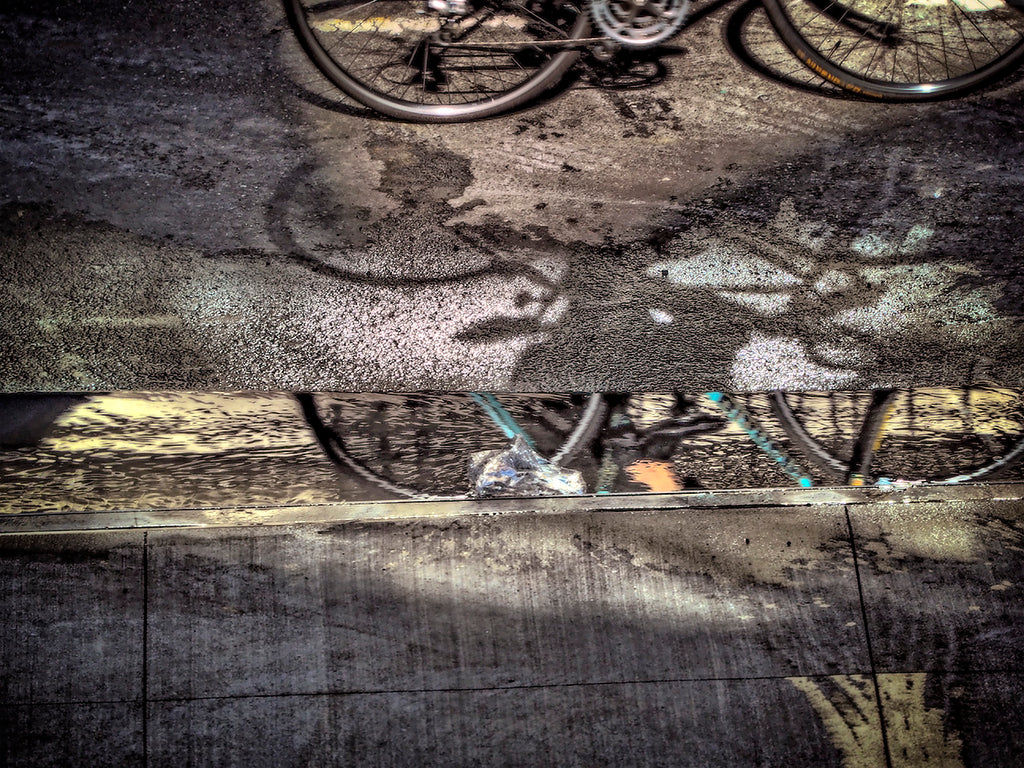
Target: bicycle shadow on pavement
x=866, y=266
x=876, y=259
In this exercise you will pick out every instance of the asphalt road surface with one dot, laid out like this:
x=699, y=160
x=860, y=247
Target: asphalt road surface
x=185, y=203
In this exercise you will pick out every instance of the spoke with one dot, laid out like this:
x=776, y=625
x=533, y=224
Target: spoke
x=395, y=52
x=360, y=7
x=977, y=28
x=943, y=50
x=853, y=47
x=862, y=43
x=892, y=76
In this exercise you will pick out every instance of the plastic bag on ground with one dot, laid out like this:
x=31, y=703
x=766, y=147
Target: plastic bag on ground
x=520, y=471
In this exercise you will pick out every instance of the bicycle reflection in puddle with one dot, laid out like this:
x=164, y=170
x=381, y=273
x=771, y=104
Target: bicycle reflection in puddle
x=419, y=445
x=165, y=450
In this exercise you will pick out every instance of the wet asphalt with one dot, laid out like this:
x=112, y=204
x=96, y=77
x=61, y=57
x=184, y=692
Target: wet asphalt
x=184, y=203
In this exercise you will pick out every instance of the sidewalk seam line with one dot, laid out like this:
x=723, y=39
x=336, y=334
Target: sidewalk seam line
x=493, y=688
x=1009, y=671
x=867, y=639
x=145, y=649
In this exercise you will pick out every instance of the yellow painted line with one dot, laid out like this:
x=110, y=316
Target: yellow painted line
x=378, y=24
x=847, y=708
x=401, y=26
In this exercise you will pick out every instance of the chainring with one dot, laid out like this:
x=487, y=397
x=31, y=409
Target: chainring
x=639, y=24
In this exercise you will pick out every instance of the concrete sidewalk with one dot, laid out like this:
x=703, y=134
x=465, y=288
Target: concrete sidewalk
x=827, y=627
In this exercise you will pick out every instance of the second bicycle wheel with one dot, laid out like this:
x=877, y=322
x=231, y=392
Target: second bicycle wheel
x=903, y=50
x=404, y=60
x=934, y=435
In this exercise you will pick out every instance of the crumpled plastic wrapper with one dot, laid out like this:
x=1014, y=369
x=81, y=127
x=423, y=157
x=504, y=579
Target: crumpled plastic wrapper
x=520, y=471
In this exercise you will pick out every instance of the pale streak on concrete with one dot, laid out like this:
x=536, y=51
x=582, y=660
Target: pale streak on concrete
x=762, y=303
x=873, y=245
x=722, y=265
x=928, y=532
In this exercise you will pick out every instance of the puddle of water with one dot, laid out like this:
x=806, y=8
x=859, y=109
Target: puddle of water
x=172, y=450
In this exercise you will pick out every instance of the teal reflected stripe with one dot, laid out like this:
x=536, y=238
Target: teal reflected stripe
x=501, y=418
x=737, y=414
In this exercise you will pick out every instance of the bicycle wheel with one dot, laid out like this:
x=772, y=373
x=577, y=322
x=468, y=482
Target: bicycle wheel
x=402, y=60
x=934, y=435
x=418, y=445
x=903, y=50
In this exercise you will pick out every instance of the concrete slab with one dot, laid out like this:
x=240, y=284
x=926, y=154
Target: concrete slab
x=77, y=733
x=489, y=602
x=694, y=723
x=941, y=587
x=71, y=619
x=952, y=573
x=711, y=637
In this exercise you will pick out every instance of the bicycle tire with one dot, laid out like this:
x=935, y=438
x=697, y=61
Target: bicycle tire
x=417, y=445
x=503, y=55
x=879, y=49
x=857, y=453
